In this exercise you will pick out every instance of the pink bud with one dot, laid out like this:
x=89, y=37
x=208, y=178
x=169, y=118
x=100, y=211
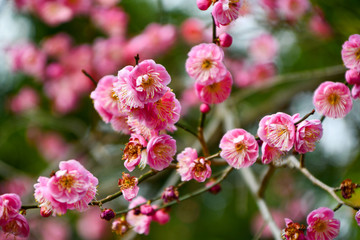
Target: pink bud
x=203, y=4
x=352, y=76
x=204, y=108
x=45, y=212
x=225, y=40
x=147, y=209
x=107, y=214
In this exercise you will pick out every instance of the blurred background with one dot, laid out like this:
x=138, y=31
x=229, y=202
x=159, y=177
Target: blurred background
x=47, y=116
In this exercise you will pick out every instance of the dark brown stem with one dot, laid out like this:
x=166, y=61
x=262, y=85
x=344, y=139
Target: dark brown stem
x=201, y=135
x=302, y=160
x=137, y=58
x=338, y=207
x=89, y=76
x=25, y=207
x=182, y=126
x=215, y=40
x=305, y=117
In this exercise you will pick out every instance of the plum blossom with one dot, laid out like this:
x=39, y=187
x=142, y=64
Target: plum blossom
x=140, y=222
x=216, y=92
x=225, y=11
x=293, y=10
x=352, y=76
x=270, y=154
x=204, y=63
x=192, y=30
x=294, y=231
x=239, y=148
x=113, y=21
x=190, y=166
x=307, y=133
x=160, y=151
x=25, y=100
x=278, y=130
x=322, y=224
x=355, y=91
x=357, y=217
x=264, y=48
x=350, y=52
x=128, y=186
x=332, y=99
x=135, y=152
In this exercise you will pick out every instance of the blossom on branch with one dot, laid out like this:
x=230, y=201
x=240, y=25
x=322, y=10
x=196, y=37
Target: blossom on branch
x=322, y=224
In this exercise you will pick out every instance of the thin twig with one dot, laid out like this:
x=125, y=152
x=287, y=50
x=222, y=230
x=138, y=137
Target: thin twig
x=265, y=181
x=182, y=126
x=201, y=135
x=302, y=160
x=137, y=58
x=89, y=76
x=305, y=117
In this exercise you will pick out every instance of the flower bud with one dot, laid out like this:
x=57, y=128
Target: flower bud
x=204, y=108
x=225, y=40
x=170, y=193
x=147, y=209
x=347, y=188
x=120, y=226
x=107, y=214
x=214, y=189
x=45, y=212
x=203, y=4
x=352, y=76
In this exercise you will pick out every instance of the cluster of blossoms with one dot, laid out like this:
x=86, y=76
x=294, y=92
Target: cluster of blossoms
x=140, y=217
x=280, y=133
x=223, y=12
x=321, y=225
x=289, y=10
x=138, y=102
x=11, y=221
x=213, y=80
x=71, y=187
x=351, y=57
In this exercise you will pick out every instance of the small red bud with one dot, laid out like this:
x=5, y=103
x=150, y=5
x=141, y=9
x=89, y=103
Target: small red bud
x=44, y=212
x=203, y=4
x=107, y=214
x=204, y=108
x=225, y=40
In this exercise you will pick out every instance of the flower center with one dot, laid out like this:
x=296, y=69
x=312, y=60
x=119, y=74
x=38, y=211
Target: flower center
x=145, y=81
x=334, y=99
x=67, y=181
x=206, y=64
x=357, y=54
x=131, y=151
x=114, y=95
x=293, y=231
x=240, y=147
x=127, y=181
x=320, y=226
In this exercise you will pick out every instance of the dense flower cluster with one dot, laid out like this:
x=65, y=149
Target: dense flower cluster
x=351, y=57
x=71, y=187
x=11, y=221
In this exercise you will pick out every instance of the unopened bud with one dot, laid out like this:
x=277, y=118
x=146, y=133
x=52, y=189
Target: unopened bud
x=120, y=226
x=225, y=40
x=214, y=189
x=45, y=212
x=107, y=214
x=347, y=188
x=203, y=4
x=204, y=108
x=170, y=193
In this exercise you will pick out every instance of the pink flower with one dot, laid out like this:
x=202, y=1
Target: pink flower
x=225, y=11
x=161, y=150
x=261, y=73
x=293, y=230
x=97, y=231
x=350, y=52
x=149, y=80
x=113, y=21
x=119, y=124
x=18, y=226
x=139, y=127
x=25, y=100
x=135, y=152
x=54, y=12
x=332, y=99
x=216, y=92
x=190, y=166
x=128, y=186
x=106, y=100
x=161, y=216
x=352, y=76
x=57, y=45
x=192, y=30
x=322, y=224
x=307, y=133
x=139, y=221
x=319, y=26
x=264, y=48
x=239, y=148
x=355, y=91
x=10, y=204
x=278, y=130
x=204, y=63
x=357, y=217
x=52, y=146
x=293, y=9
x=72, y=187
x=270, y=154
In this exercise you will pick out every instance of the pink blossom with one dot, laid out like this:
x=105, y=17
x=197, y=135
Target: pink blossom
x=350, y=52
x=18, y=226
x=113, y=21
x=161, y=216
x=106, y=100
x=164, y=112
x=204, y=63
x=270, y=154
x=261, y=73
x=98, y=229
x=29, y=59
x=352, y=76
x=355, y=91
x=51, y=145
x=357, y=217
x=135, y=152
x=192, y=31
x=20, y=185
x=200, y=169
x=332, y=99
x=57, y=45
x=149, y=80
x=216, y=92
x=170, y=194
x=54, y=71
x=293, y=10
x=239, y=148
x=139, y=127
x=119, y=124
x=10, y=204
x=108, y=55
x=161, y=150
x=225, y=11
x=322, y=224
x=278, y=130
x=54, y=12
x=155, y=40
x=205, y=108
x=319, y=26
x=120, y=226
x=128, y=186
x=264, y=48
x=203, y=4
x=25, y=100
x=307, y=133
x=140, y=222
x=190, y=166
